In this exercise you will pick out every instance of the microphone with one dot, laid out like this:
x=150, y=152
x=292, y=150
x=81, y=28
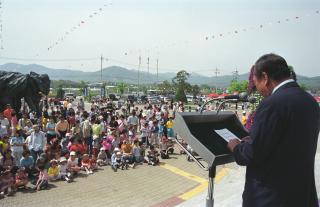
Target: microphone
x=241, y=96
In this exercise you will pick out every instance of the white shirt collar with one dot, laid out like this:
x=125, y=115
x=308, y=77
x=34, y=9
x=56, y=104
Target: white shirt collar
x=281, y=84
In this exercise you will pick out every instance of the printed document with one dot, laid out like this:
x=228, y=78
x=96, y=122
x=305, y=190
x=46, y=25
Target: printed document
x=226, y=134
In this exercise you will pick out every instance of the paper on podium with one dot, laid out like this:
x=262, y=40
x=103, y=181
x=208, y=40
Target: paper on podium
x=226, y=134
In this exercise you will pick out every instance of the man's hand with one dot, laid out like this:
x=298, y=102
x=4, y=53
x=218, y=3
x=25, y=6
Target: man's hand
x=246, y=139
x=232, y=144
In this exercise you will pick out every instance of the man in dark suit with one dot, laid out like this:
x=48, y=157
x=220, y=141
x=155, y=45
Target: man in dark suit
x=280, y=151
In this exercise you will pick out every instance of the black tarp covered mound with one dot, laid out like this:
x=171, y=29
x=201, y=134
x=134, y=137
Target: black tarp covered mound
x=14, y=86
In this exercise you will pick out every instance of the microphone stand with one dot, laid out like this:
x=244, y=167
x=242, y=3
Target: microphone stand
x=226, y=101
x=220, y=105
x=206, y=103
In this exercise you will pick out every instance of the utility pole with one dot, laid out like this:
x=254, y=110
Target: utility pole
x=216, y=72
x=157, y=71
x=101, y=69
x=148, y=61
x=139, y=73
x=235, y=75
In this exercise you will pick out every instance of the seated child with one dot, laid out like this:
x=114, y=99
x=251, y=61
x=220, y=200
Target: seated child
x=72, y=165
x=116, y=159
x=164, y=148
x=136, y=152
x=126, y=149
x=42, y=181
x=86, y=164
x=63, y=169
x=54, y=171
x=8, y=161
x=93, y=163
x=21, y=178
x=153, y=156
x=102, y=157
x=6, y=183
x=27, y=163
x=107, y=145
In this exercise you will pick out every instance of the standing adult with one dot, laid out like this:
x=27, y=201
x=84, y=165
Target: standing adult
x=8, y=112
x=133, y=120
x=81, y=105
x=86, y=132
x=5, y=124
x=37, y=142
x=280, y=151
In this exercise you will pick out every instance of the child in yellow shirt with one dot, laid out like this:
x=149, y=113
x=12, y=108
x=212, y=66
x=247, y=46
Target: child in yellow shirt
x=54, y=171
x=169, y=126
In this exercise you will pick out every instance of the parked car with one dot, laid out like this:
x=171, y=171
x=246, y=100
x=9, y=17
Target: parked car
x=113, y=97
x=69, y=95
x=154, y=100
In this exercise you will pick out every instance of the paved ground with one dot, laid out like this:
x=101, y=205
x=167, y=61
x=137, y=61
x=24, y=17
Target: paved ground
x=143, y=186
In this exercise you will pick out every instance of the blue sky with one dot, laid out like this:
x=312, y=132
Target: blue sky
x=174, y=31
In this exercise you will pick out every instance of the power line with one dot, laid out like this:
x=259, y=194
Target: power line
x=163, y=69
x=50, y=60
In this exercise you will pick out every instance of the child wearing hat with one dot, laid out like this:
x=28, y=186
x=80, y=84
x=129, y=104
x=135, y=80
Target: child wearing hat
x=73, y=167
x=54, y=171
x=63, y=169
x=102, y=158
x=116, y=159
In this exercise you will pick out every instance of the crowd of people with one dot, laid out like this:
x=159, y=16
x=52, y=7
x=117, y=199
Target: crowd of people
x=66, y=140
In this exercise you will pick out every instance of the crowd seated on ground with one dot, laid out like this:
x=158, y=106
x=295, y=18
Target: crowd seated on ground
x=66, y=140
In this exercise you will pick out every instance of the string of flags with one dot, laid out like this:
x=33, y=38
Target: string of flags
x=220, y=35
x=261, y=26
x=80, y=24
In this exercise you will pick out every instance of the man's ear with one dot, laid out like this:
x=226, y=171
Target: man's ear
x=265, y=78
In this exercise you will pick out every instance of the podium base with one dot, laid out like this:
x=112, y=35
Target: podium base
x=212, y=175
x=209, y=202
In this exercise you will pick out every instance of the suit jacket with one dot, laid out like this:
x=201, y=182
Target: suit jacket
x=281, y=154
